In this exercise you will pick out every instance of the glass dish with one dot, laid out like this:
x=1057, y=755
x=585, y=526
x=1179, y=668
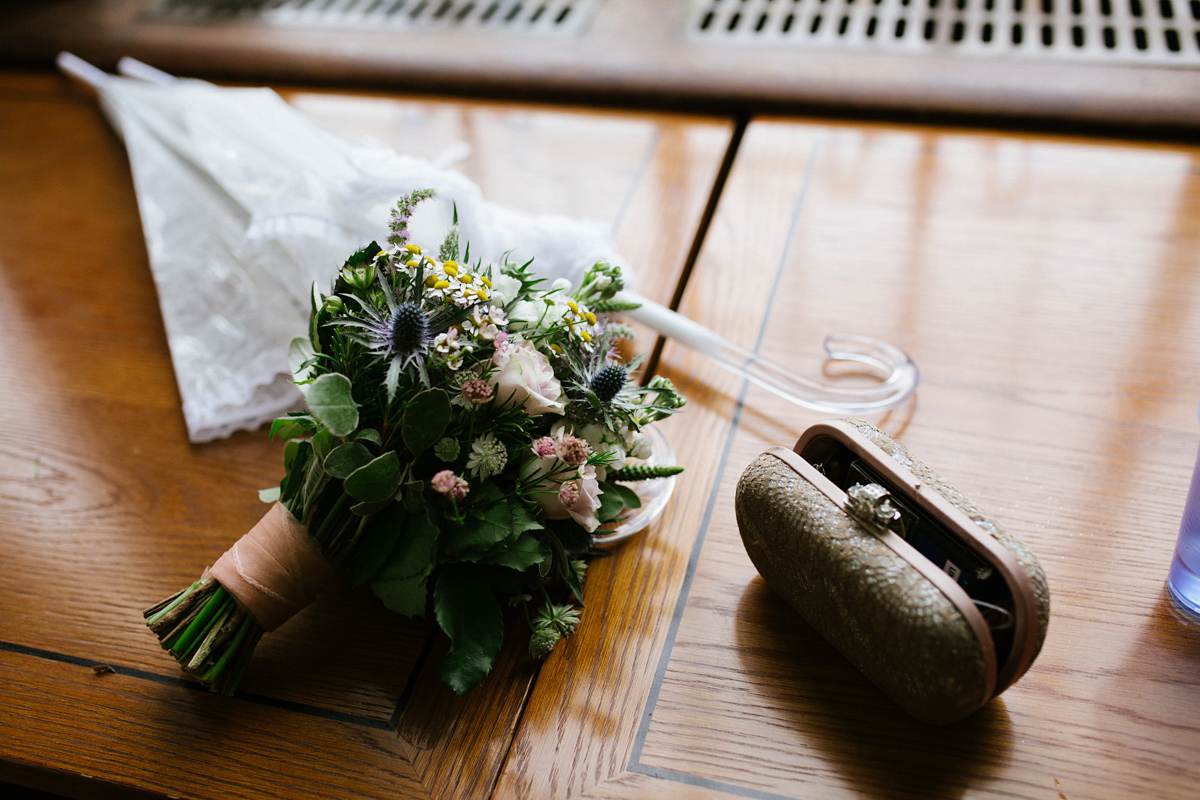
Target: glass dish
x=654, y=494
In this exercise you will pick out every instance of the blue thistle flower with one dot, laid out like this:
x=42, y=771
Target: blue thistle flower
x=608, y=382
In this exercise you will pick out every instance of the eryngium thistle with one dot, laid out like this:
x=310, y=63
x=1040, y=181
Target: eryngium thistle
x=609, y=381
x=409, y=329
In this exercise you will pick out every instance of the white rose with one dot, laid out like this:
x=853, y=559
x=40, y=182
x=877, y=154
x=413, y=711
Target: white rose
x=602, y=440
x=525, y=378
x=505, y=289
x=642, y=448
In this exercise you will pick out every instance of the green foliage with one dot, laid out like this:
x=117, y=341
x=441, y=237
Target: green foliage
x=345, y=459
x=376, y=480
x=628, y=496
x=425, y=420
x=467, y=611
x=293, y=426
x=332, y=403
x=401, y=581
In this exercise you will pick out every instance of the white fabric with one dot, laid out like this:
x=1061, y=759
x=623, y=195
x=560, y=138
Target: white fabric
x=245, y=202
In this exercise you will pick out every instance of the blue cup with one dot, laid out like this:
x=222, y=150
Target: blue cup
x=1183, y=581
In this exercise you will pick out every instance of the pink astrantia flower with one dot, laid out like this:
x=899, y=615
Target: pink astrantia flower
x=544, y=447
x=447, y=482
x=573, y=450
x=477, y=391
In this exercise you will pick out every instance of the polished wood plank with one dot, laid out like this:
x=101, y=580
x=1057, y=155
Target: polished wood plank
x=1047, y=288
x=106, y=507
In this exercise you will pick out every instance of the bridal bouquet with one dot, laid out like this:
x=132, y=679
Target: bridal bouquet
x=468, y=432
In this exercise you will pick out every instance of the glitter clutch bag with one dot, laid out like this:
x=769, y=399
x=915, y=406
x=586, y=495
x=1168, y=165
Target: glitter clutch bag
x=928, y=596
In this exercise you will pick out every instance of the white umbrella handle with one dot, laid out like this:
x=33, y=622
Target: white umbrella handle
x=76, y=67
x=899, y=375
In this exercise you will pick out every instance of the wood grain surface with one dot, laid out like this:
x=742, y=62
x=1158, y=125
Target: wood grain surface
x=105, y=507
x=1048, y=290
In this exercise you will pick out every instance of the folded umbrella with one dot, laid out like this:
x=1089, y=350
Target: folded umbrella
x=243, y=199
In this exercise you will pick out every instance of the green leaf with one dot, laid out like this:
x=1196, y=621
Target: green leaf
x=367, y=509
x=300, y=354
x=291, y=427
x=412, y=495
x=468, y=612
x=369, y=435
x=322, y=443
x=315, y=302
x=391, y=381
x=628, y=496
x=520, y=555
x=290, y=451
x=523, y=520
x=296, y=457
x=331, y=402
x=479, y=533
x=402, y=582
x=270, y=495
x=376, y=480
x=376, y=544
x=425, y=420
x=346, y=458
x=611, y=505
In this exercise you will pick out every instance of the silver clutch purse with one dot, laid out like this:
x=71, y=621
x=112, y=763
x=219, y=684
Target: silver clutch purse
x=928, y=596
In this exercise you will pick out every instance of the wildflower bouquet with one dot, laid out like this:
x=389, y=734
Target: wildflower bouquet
x=467, y=434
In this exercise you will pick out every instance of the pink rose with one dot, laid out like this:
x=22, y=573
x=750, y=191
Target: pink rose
x=565, y=491
x=525, y=378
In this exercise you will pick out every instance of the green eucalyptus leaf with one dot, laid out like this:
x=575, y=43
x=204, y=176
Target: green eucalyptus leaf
x=322, y=444
x=425, y=420
x=369, y=435
x=468, y=612
x=367, y=509
x=331, y=402
x=376, y=480
x=300, y=354
x=270, y=495
x=346, y=458
x=292, y=427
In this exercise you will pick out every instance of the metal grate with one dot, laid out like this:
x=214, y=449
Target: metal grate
x=523, y=16
x=1126, y=31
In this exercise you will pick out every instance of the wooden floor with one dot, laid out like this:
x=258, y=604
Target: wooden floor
x=1048, y=288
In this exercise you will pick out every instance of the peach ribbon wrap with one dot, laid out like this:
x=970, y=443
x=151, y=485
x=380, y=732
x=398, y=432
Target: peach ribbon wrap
x=275, y=570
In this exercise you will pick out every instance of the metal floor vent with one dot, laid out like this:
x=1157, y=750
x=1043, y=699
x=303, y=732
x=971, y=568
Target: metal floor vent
x=1158, y=32
x=519, y=16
